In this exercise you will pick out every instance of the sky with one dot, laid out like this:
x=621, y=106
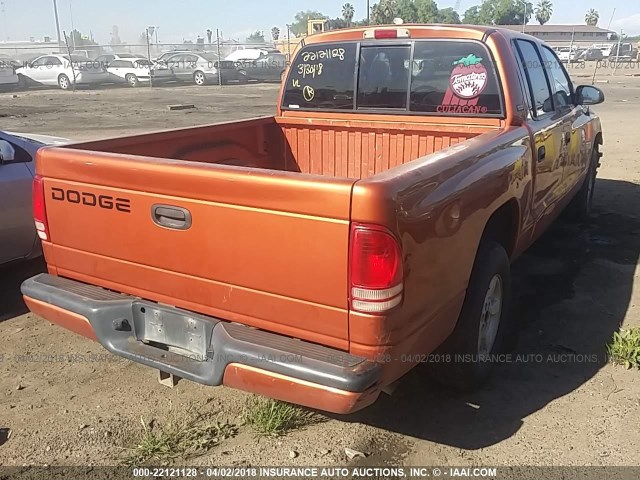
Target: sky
x=186, y=19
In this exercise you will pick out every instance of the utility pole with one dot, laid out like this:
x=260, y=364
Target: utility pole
x=524, y=20
x=73, y=37
x=289, y=41
x=368, y=12
x=219, y=65
x=55, y=11
x=615, y=67
x=609, y=26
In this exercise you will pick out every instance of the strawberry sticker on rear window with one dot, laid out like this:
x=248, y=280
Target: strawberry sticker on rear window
x=469, y=77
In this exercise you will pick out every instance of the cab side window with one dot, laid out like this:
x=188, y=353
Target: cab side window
x=563, y=89
x=539, y=86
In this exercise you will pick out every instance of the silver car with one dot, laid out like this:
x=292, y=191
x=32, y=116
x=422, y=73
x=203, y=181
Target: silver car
x=202, y=68
x=18, y=238
x=138, y=70
x=63, y=71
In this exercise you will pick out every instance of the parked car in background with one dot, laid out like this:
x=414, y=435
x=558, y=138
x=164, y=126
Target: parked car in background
x=623, y=52
x=605, y=48
x=166, y=55
x=8, y=76
x=567, y=54
x=63, y=71
x=268, y=67
x=110, y=57
x=590, y=54
x=249, y=54
x=134, y=71
x=18, y=238
x=202, y=68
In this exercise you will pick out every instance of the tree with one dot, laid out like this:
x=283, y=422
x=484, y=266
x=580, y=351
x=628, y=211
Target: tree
x=348, y=12
x=337, y=23
x=77, y=39
x=256, y=37
x=592, y=17
x=543, y=11
x=275, y=33
x=427, y=11
x=448, y=15
x=209, y=35
x=472, y=16
x=383, y=12
x=407, y=11
x=499, y=12
x=300, y=24
x=115, y=36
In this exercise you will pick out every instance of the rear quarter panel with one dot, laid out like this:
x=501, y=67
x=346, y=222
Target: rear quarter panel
x=438, y=206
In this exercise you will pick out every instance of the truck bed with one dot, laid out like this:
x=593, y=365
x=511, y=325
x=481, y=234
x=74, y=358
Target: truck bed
x=327, y=146
x=256, y=233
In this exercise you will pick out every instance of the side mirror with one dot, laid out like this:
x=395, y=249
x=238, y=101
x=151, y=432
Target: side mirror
x=589, y=95
x=7, y=152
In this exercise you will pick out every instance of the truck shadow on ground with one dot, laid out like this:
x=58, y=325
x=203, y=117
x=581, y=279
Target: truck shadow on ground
x=571, y=292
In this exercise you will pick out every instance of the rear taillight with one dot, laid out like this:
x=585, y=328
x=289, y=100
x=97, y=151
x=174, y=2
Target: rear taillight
x=375, y=269
x=39, y=209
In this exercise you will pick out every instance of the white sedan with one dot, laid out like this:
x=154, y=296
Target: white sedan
x=63, y=71
x=136, y=71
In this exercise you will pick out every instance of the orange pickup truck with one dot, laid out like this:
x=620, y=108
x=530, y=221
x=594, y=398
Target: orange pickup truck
x=318, y=255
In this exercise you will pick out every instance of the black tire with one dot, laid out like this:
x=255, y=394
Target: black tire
x=243, y=79
x=132, y=80
x=23, y=84
x=199, y=78
x=462, y=363
x=581, y=205
x=63, y=82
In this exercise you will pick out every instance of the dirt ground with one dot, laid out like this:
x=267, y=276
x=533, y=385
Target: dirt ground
x=563, y=404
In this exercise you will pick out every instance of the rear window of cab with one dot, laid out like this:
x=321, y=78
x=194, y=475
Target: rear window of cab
x=438, y=77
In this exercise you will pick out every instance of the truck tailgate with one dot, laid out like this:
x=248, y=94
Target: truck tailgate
x=264, y=248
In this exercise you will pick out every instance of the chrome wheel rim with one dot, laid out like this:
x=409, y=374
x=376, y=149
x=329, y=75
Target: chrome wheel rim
x=133, y=81
x=490, y=316
x=199, y=78
x=64, y=83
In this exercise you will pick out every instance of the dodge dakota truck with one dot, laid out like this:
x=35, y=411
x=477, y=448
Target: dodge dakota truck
x=317, y=255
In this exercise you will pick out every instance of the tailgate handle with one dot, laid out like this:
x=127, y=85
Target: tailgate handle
x=168, y=216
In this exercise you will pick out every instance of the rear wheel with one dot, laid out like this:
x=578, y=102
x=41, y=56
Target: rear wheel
x=480, y=331
x=132, y=80
x=63, y=82
x=199, y=78
x=242, y=77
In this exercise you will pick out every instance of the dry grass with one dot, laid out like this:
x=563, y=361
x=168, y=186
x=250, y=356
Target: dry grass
x=270, y=417
x=191, y=434
x=624, y=348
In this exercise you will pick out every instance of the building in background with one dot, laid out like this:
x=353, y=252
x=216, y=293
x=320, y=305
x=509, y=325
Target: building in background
x=563, y=35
